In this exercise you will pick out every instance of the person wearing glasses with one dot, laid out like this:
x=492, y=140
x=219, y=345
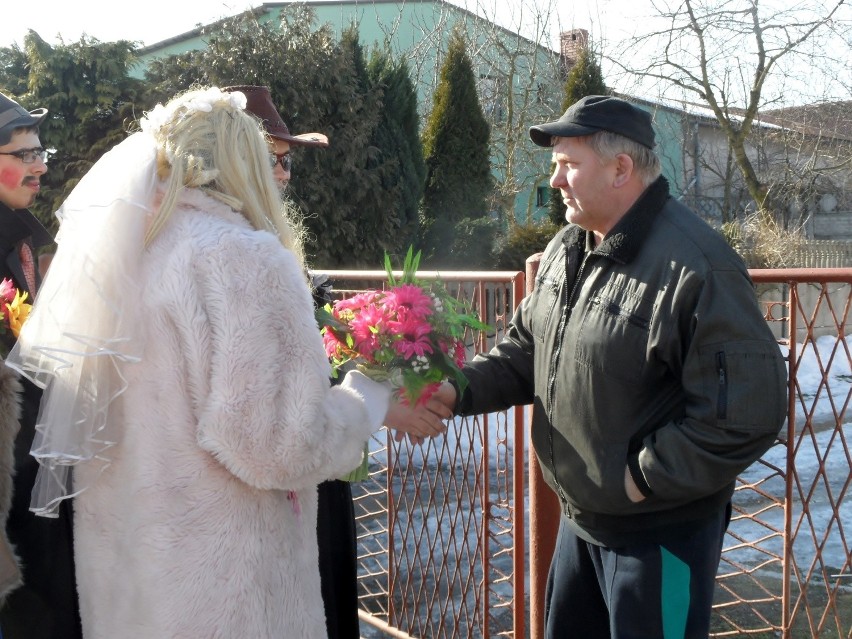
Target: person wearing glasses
x=259, y=103
x=335, y=512
x=38, y=579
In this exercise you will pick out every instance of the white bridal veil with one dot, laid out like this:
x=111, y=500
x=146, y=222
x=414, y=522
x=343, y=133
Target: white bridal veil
x=82, y=329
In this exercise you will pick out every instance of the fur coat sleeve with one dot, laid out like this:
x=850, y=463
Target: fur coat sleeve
x=270, y=416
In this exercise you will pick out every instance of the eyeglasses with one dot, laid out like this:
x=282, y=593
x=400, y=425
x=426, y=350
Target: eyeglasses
x=285, y=159
x=28, y=156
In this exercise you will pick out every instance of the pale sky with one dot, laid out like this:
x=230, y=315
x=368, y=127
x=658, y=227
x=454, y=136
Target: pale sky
x=149, y=21
x=610, y=23
x=155, y=20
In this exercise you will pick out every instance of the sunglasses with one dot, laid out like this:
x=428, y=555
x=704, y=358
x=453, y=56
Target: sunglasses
x=285, y=159
x=28, y=156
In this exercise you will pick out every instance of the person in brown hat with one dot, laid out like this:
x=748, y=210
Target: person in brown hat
x=41, y=596
x=259, y=103
x=336, y=534
x=655, y=377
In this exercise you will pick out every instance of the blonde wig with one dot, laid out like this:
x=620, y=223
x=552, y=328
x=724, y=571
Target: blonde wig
x=206, y=141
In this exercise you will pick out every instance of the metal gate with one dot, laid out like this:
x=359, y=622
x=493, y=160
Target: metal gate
x=441, y=528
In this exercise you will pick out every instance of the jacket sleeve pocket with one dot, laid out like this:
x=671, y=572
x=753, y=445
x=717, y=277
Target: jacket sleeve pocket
x=746, y=381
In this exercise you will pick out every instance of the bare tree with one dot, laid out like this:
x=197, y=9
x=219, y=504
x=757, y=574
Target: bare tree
x=740, y=58
x=521, y=80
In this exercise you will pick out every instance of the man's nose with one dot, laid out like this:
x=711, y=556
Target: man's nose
x=39, y=166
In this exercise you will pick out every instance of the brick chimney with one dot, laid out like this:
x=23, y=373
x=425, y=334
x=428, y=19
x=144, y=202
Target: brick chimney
x=571, y=43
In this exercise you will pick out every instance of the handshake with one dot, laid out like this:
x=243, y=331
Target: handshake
x=426, y=419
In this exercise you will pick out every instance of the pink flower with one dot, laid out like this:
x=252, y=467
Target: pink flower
x=414, y=336
x=368, y=326
x=404, y=333
x=7, y=290
x=357, y=302
x=460, y=354
x=425, y=393
x=410, y=298
x=333, y=346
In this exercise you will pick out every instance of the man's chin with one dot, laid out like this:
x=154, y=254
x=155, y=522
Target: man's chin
x=18, y=203
x=572, y=213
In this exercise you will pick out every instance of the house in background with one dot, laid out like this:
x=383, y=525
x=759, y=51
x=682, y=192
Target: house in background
x=816, y=154
x=802, y=153
x=519, y=80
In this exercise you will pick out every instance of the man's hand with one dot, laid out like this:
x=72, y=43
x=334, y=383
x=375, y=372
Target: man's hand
x=633, y=493
x=443, y=400
x=418, y=423
x=422, y=421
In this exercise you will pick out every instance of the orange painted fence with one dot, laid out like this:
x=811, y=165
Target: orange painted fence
x=447, y=546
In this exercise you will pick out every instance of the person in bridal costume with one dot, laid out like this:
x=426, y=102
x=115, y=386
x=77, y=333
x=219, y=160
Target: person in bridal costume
x=187, y=408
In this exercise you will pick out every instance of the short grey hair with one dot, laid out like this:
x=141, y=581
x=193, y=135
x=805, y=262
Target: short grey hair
x=607, y=145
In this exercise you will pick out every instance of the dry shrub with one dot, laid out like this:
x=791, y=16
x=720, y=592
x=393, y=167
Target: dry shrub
x=762, y=242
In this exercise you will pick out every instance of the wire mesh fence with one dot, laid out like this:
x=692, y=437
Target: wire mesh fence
x=441, y=527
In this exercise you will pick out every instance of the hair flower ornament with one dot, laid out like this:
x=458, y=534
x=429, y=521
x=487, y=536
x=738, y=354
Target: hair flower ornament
x=203, y=102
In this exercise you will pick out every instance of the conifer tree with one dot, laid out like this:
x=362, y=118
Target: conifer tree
x=90, y=97
x=456, y=149
x=585, y=78
x=397, y=138
x=350, y=217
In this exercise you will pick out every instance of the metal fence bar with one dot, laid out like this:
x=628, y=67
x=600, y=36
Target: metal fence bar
x=816, y=591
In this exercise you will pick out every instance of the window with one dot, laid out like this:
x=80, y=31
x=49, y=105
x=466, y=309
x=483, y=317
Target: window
x=542, y=196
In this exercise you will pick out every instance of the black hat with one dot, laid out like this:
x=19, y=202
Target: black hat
x=14, y=116
x=598, y=113
x=259, y=104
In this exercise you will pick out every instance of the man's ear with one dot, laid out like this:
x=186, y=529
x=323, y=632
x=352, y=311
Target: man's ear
x=623, y=169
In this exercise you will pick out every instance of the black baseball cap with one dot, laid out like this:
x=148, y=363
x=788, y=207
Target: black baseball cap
x=598, y=113
x=14, y=116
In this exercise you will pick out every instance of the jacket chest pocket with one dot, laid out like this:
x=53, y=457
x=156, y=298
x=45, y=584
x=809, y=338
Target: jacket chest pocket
x=547, y=291
x=614, y=332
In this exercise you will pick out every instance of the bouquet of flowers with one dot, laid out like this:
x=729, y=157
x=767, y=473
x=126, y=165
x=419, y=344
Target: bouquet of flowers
x=14, y=307
x=410, y=334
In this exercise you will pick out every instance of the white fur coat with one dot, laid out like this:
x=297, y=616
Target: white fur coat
x=204, y=525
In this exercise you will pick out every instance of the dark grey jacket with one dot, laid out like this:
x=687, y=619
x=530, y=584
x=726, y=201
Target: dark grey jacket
x=648, y=351
x=45, y=606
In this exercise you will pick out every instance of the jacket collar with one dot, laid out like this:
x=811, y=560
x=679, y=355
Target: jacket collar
x=18, y=224
x=625, y=239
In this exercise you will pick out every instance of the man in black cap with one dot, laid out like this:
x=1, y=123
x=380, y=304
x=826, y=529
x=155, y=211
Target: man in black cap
x=338, y=563
x=43, y=602
x=654, y=377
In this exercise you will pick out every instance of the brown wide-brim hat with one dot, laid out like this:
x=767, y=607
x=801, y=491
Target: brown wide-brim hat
x=259, y=104
x=13, y=116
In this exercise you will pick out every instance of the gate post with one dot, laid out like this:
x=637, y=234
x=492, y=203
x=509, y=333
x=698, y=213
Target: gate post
x=544, y=513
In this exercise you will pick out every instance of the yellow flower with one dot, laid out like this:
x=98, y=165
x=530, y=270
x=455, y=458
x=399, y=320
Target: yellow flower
x=18, y=311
